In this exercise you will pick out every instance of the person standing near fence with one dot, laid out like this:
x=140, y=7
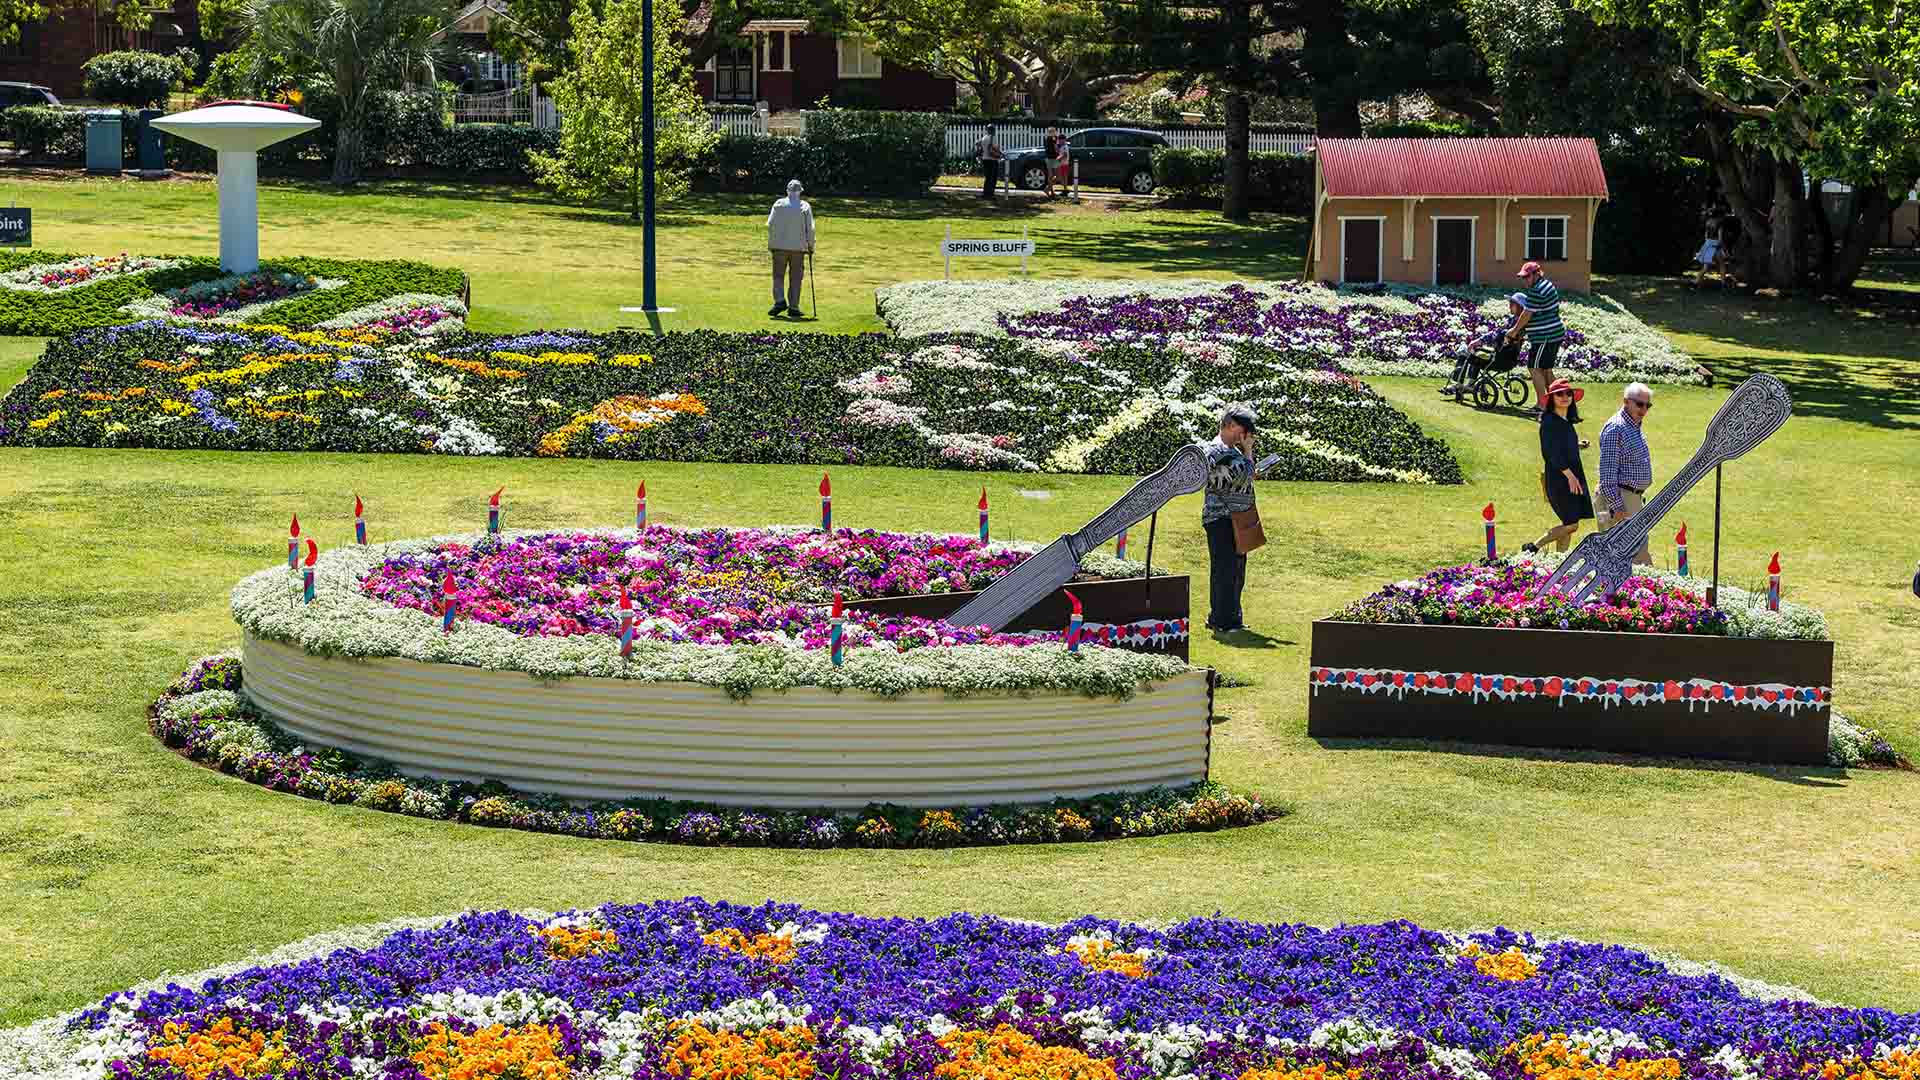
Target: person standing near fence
x=1056, y=167
x=988, y=153
x=790, y=240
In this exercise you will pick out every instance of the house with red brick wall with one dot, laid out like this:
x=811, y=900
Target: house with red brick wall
x=788, y=65
x=52, y=51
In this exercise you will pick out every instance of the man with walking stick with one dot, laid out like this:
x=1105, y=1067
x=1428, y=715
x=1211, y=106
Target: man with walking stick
x=790, y=240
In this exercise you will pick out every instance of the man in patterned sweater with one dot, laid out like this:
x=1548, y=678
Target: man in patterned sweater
x=1542, y=326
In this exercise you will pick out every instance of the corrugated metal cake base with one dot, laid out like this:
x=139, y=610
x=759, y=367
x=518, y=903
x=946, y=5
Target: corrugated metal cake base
x=592, y=738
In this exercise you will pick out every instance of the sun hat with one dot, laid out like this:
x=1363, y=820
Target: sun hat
x=1562, y=384
x=1518, y=298
x=1528, y=267
x=794, y=188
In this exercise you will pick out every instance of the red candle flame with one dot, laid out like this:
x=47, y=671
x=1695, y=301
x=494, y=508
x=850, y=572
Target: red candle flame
x=826, y=488
x=1487, y=512
x=838, y=607
x=642, y=493
x=983, y=498
x=1074, y=600
x=313, y=551
x=495, y=501
x=294, y=529
x=1774, y=566
x=446, y=587
x=1681, y=536
x=358, y=509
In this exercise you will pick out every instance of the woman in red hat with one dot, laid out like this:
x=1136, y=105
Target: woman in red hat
x=1563, y=480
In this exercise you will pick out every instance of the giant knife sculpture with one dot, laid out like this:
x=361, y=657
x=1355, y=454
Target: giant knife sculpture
x=1602, y=561
x=1054, y=565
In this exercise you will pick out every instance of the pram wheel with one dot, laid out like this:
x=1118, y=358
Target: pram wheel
x=1517, y=390
x=1486, y=393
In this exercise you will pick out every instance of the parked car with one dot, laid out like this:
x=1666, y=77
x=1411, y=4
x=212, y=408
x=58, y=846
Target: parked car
x=20, y=93
x=1120, y=157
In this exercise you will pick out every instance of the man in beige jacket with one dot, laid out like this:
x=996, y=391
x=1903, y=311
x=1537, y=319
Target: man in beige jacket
x=790, y=239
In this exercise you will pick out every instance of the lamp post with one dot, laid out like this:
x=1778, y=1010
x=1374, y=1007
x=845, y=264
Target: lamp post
x=649, y=301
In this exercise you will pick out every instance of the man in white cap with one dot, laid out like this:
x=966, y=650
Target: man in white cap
x=790, y=240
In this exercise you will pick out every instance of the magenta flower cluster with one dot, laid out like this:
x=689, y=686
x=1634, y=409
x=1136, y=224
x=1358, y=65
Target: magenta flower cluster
x=1500, y=593
x=209, y=300
x=705, y=586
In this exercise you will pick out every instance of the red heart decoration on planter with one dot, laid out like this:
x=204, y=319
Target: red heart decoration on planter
x=1610, y=687
x=1320, y=675
x=1554, y=686
x=1420, y=680
x=1769, y=695
x=1526, y=686
x=1463, y=684
x=1739, y=693
x=1719, y=691
x=1399, y=678
x=1586, y=686
x=1673, y=690
x=1507, y=685
x=1633, y=691
x=1368, y=680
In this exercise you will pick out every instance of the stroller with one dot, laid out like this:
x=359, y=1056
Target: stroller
x=1487, y=374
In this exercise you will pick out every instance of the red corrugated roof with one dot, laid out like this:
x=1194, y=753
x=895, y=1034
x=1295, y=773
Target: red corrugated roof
x=1405, y=168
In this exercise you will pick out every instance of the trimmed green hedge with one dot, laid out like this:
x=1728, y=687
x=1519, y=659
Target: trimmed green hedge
x=53, y=314
x=844, y=152
x=1281, y=181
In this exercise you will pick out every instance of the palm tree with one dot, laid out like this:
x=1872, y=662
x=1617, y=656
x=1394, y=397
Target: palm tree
x=364, y=45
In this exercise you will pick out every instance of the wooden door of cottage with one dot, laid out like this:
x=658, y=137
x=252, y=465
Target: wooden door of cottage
x=1452, y=251
x=1360, y=250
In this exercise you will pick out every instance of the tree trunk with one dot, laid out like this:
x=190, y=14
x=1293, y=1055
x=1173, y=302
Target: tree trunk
x=1871, y=208
x=1331, y=60
x=1789, y=227
x=1238, y=203
x=346, y=149
x=1746, y=185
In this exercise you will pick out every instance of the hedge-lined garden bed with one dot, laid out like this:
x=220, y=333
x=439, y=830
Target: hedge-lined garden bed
x=49, y=293
x=950, y=402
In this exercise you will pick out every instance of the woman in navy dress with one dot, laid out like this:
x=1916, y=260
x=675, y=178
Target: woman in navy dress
x=1563, y=479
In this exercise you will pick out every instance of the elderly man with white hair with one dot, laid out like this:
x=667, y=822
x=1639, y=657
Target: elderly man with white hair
x=790, y=240
x=1626, y=465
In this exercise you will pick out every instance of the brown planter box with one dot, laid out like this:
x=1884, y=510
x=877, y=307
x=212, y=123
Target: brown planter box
x=1671, y=694
x=1162, y=598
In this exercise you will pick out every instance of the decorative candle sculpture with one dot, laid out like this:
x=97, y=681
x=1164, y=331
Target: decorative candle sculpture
x=640, y=507
x=837, y=631
x=1680, y=546
x=1120, y=545
x=1487, y=513
x=306, y=577
x=626, y=621
x=493, y=513
x=237, y=131
x=1773, y=583
x=983, y=515
x=448, y=604
x=826, y=505
x=293, y=543
x=359, y=521
x=1073, y=622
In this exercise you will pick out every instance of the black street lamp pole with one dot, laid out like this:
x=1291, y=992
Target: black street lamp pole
x=649, y=300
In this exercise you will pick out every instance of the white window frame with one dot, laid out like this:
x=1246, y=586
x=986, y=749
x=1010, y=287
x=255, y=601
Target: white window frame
x=1473, y=246
x=1526, y=237
x=1380, y=259
x=860, y=48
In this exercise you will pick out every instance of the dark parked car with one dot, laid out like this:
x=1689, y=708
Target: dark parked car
x=19, y=93
x=1119, y=157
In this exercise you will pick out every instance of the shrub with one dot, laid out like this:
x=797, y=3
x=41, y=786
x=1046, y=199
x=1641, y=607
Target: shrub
x=843, y=152
x=1281, y=181
x=1422, y=129
x=132, y=78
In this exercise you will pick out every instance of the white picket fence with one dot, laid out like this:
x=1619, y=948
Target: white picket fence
x=520, y=105
x=735, y=122
x=962, y=134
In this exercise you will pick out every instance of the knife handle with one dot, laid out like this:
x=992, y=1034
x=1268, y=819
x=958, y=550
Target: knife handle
x=1183, y=474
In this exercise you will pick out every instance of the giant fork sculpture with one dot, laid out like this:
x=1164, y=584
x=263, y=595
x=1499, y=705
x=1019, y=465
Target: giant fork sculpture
x=1602, y=561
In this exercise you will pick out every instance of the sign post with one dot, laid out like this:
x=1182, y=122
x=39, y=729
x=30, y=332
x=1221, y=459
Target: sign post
x=951, y=249
x=16, y=226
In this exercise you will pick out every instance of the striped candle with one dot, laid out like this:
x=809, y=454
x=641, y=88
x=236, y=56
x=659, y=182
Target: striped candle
x=626, y=622
x=293, y=543
x=983, y=515
x=1487, y=513
x=1120, y=545
x=826, y=504
x=1073, y=623
x=448, y=604
x=493, y=513
x=1680, y=548
x=1773, y=583
x=306, y=576
x=359, y=521
x=640, y=507
x=837, y=631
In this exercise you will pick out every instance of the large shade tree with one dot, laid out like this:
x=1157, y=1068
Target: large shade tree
x=361, y=46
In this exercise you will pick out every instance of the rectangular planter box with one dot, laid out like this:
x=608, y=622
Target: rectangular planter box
x=1159, y=599
x=1671, y=694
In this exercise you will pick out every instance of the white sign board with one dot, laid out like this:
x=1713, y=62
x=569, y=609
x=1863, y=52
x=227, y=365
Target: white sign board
x=951, y=249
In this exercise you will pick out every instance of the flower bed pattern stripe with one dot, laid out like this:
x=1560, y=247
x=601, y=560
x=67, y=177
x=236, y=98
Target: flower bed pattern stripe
x=1482, y=687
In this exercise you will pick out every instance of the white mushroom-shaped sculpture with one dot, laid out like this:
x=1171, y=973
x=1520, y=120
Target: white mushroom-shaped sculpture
x=237, y=131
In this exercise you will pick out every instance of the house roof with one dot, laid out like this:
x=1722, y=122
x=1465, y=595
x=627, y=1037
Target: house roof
x=1474, y=168
x=776, y=25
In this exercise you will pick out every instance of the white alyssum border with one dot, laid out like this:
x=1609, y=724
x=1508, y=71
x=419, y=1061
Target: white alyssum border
x=344, y=621
x=392, y=305
x=160, y=305
x=26, y=279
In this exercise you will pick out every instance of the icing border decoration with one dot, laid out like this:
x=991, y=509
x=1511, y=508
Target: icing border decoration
x=1609, y=692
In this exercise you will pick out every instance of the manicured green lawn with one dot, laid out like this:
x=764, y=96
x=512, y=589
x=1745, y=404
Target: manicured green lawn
x=119, y=860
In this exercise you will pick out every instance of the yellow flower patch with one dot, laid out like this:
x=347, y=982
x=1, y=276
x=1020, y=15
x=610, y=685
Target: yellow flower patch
x=529, y=1052
x=940, y=825
x=473, y=367
x=1008, y=1054
x=219, y=1049
x=1898, y=1065
x=1511, y=965
x=47, y=421
x=231, y=375
x=95, y=414
x=565, y=359
x=176, y=407
x=568, y=943
x=773, y=948
x=112, y=395
x=1555, y=1057
x=183, y=366
x=630, y=360
x=625, y=414
x=1102, y=955
x=53, y=395
x=699, y=1053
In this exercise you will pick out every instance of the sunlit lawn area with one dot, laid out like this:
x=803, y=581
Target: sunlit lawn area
x=119, y=860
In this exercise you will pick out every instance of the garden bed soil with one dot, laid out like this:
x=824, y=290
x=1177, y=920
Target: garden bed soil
x=1523, y=687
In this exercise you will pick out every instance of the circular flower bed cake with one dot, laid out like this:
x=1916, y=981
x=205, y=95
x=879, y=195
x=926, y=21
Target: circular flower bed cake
x=729, y=693
x=697, y=990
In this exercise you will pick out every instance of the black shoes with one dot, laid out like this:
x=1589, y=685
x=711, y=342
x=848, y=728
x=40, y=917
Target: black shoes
x=1530, y=548
x=776, y=309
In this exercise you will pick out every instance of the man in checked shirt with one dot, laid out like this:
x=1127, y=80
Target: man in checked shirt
x=1626, y=466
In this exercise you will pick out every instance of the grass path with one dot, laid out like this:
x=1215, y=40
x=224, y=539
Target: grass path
x=119, y=860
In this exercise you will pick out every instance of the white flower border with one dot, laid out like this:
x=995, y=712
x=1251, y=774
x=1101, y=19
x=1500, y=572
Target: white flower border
x=23, y=279
x=344, y=621
x=366, y=313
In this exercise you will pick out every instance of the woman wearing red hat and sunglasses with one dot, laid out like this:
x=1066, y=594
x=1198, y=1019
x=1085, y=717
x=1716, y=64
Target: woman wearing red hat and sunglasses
x=1563, y=480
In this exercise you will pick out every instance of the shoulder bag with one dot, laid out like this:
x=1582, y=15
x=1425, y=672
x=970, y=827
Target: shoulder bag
x=1248, y=534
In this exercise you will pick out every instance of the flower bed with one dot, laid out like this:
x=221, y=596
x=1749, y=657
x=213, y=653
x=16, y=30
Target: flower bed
x=46, y=293
x=204, y=716
x=699, y=990
x=1379, y=330
x=968, y=403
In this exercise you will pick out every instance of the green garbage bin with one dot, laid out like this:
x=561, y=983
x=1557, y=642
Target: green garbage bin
x=103, y=141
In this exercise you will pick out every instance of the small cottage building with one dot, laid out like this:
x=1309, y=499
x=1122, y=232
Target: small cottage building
x=786, y=64
x=1454, y=211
